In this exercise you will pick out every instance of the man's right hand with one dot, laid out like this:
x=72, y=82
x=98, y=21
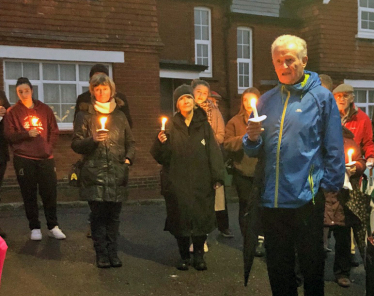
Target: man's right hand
x=162, y=137
x=254, y=130
x=33, y=133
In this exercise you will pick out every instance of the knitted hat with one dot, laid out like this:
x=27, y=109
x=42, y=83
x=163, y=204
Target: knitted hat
x=343, y=88
x=180, y=91
x=99, y=68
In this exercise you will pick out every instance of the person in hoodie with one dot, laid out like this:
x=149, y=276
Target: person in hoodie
x=301, y=145
x=244, y=166
x=338, y=215
x=31, y=130
x=193, y=162
x=108, y=149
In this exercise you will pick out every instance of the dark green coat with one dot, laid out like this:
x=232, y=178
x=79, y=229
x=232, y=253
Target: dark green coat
x=194, y=163
x=104, y=174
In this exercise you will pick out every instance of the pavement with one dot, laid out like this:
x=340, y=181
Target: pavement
x=51, y=267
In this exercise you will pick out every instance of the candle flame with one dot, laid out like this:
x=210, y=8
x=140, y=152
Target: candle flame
x=164, y=119
x=253, y=103
x=350, y=152
x=103, y=121
x=34, y=121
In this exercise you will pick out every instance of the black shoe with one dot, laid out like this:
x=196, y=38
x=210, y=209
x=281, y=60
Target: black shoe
x=115, y=261
x=199, y=262
x=260, y=250
x=102, y=261
x=354, y=262
x=183, y=264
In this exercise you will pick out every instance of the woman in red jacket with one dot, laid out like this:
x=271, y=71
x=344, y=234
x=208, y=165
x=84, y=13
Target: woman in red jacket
x=31, y=130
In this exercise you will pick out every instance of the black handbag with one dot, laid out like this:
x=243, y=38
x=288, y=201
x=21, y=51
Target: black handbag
x=74, y=173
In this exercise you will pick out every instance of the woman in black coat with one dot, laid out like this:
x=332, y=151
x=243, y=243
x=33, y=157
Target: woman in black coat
x=192, y=169
x=108, y=151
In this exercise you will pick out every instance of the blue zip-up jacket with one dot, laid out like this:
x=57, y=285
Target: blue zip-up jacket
x=302, y=142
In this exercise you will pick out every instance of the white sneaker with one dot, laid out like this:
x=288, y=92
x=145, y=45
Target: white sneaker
x=56, y=233
x=36, y=235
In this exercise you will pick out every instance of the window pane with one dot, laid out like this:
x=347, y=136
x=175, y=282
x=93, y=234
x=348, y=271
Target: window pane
x=371, y=97
x=67, y=72
x=205, y=61
x=51, y=93
x=246, y=69
x=246, y=81
x=56, y=111
x=67, y=113
x=371, y=109
x=205, y=18
x=364, y=25
x=35, y=92
x=85, y=88
x=50, y=71
x=68, y=93
x=199, y=61
x=360, y=96
x=371, y=3
x=364, y=15
x=240, y=36
x=13, y=98
x=199, y=50
x=197, y=33
x=13, y=70
x=371, y=25
x=205, y=33
x=363, y=3
x=205, y=50
x=246, y=53
x=31, y=71
x=84, y=72
x=246, y=37
x=240, y=51
x=197, y=17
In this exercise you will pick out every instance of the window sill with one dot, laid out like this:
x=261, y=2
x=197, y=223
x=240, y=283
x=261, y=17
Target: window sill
x=365, y=35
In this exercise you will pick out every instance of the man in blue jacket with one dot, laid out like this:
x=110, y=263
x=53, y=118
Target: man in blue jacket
x=302, y=146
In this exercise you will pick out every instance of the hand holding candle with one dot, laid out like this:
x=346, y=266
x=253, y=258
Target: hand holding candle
x=350, y=162
x=256, y=118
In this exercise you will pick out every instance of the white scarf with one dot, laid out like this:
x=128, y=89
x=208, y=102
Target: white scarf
x=105, y=108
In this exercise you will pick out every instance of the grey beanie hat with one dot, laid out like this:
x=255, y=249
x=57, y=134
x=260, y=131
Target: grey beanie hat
x=180, y=91
x=343, y=88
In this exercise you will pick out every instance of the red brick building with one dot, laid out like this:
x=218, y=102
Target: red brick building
x=153, y=46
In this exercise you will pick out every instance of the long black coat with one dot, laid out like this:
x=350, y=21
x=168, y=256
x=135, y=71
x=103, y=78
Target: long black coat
x=104, y=174
x=194, y=163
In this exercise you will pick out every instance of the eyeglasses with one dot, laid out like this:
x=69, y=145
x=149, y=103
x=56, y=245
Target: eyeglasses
x=344, y=96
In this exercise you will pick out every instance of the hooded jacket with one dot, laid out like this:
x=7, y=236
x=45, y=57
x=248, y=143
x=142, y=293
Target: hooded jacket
x=104, y=173
x=20, y=119
x=194, y=163
x=302, y=142
x=359, y=124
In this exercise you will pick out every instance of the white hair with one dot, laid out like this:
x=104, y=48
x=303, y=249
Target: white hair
x=288, y=39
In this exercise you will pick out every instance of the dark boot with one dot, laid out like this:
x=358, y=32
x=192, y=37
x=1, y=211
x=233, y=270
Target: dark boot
x=183, y=246
x=102, y=260
x=198, y=260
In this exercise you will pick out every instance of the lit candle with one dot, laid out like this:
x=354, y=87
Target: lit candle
x=103, y=121
x=254, y=109
x=350, y=152
x=163, y=120
x=34, y=121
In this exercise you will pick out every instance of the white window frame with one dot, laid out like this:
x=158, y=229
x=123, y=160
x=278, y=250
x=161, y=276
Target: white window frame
x=61, y=56
x=366, y=85
x=208, y=72
x=245, y=60
x=363, y=33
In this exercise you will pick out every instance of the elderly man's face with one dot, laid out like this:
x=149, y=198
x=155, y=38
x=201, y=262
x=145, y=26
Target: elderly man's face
x=288, y=66
x=344, y=100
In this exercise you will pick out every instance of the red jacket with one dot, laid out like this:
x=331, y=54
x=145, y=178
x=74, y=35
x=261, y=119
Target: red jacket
x=20, y=120
x=360, y=125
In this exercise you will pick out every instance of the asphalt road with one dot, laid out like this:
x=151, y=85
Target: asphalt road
x=52, y=267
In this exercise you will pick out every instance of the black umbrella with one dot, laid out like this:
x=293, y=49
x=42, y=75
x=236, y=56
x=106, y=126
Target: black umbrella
x=251, y=218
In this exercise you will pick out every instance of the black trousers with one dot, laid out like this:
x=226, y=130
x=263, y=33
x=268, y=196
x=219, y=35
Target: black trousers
x=32, y=174
x=105, y=225
x=301, y=229
x=342, y=262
